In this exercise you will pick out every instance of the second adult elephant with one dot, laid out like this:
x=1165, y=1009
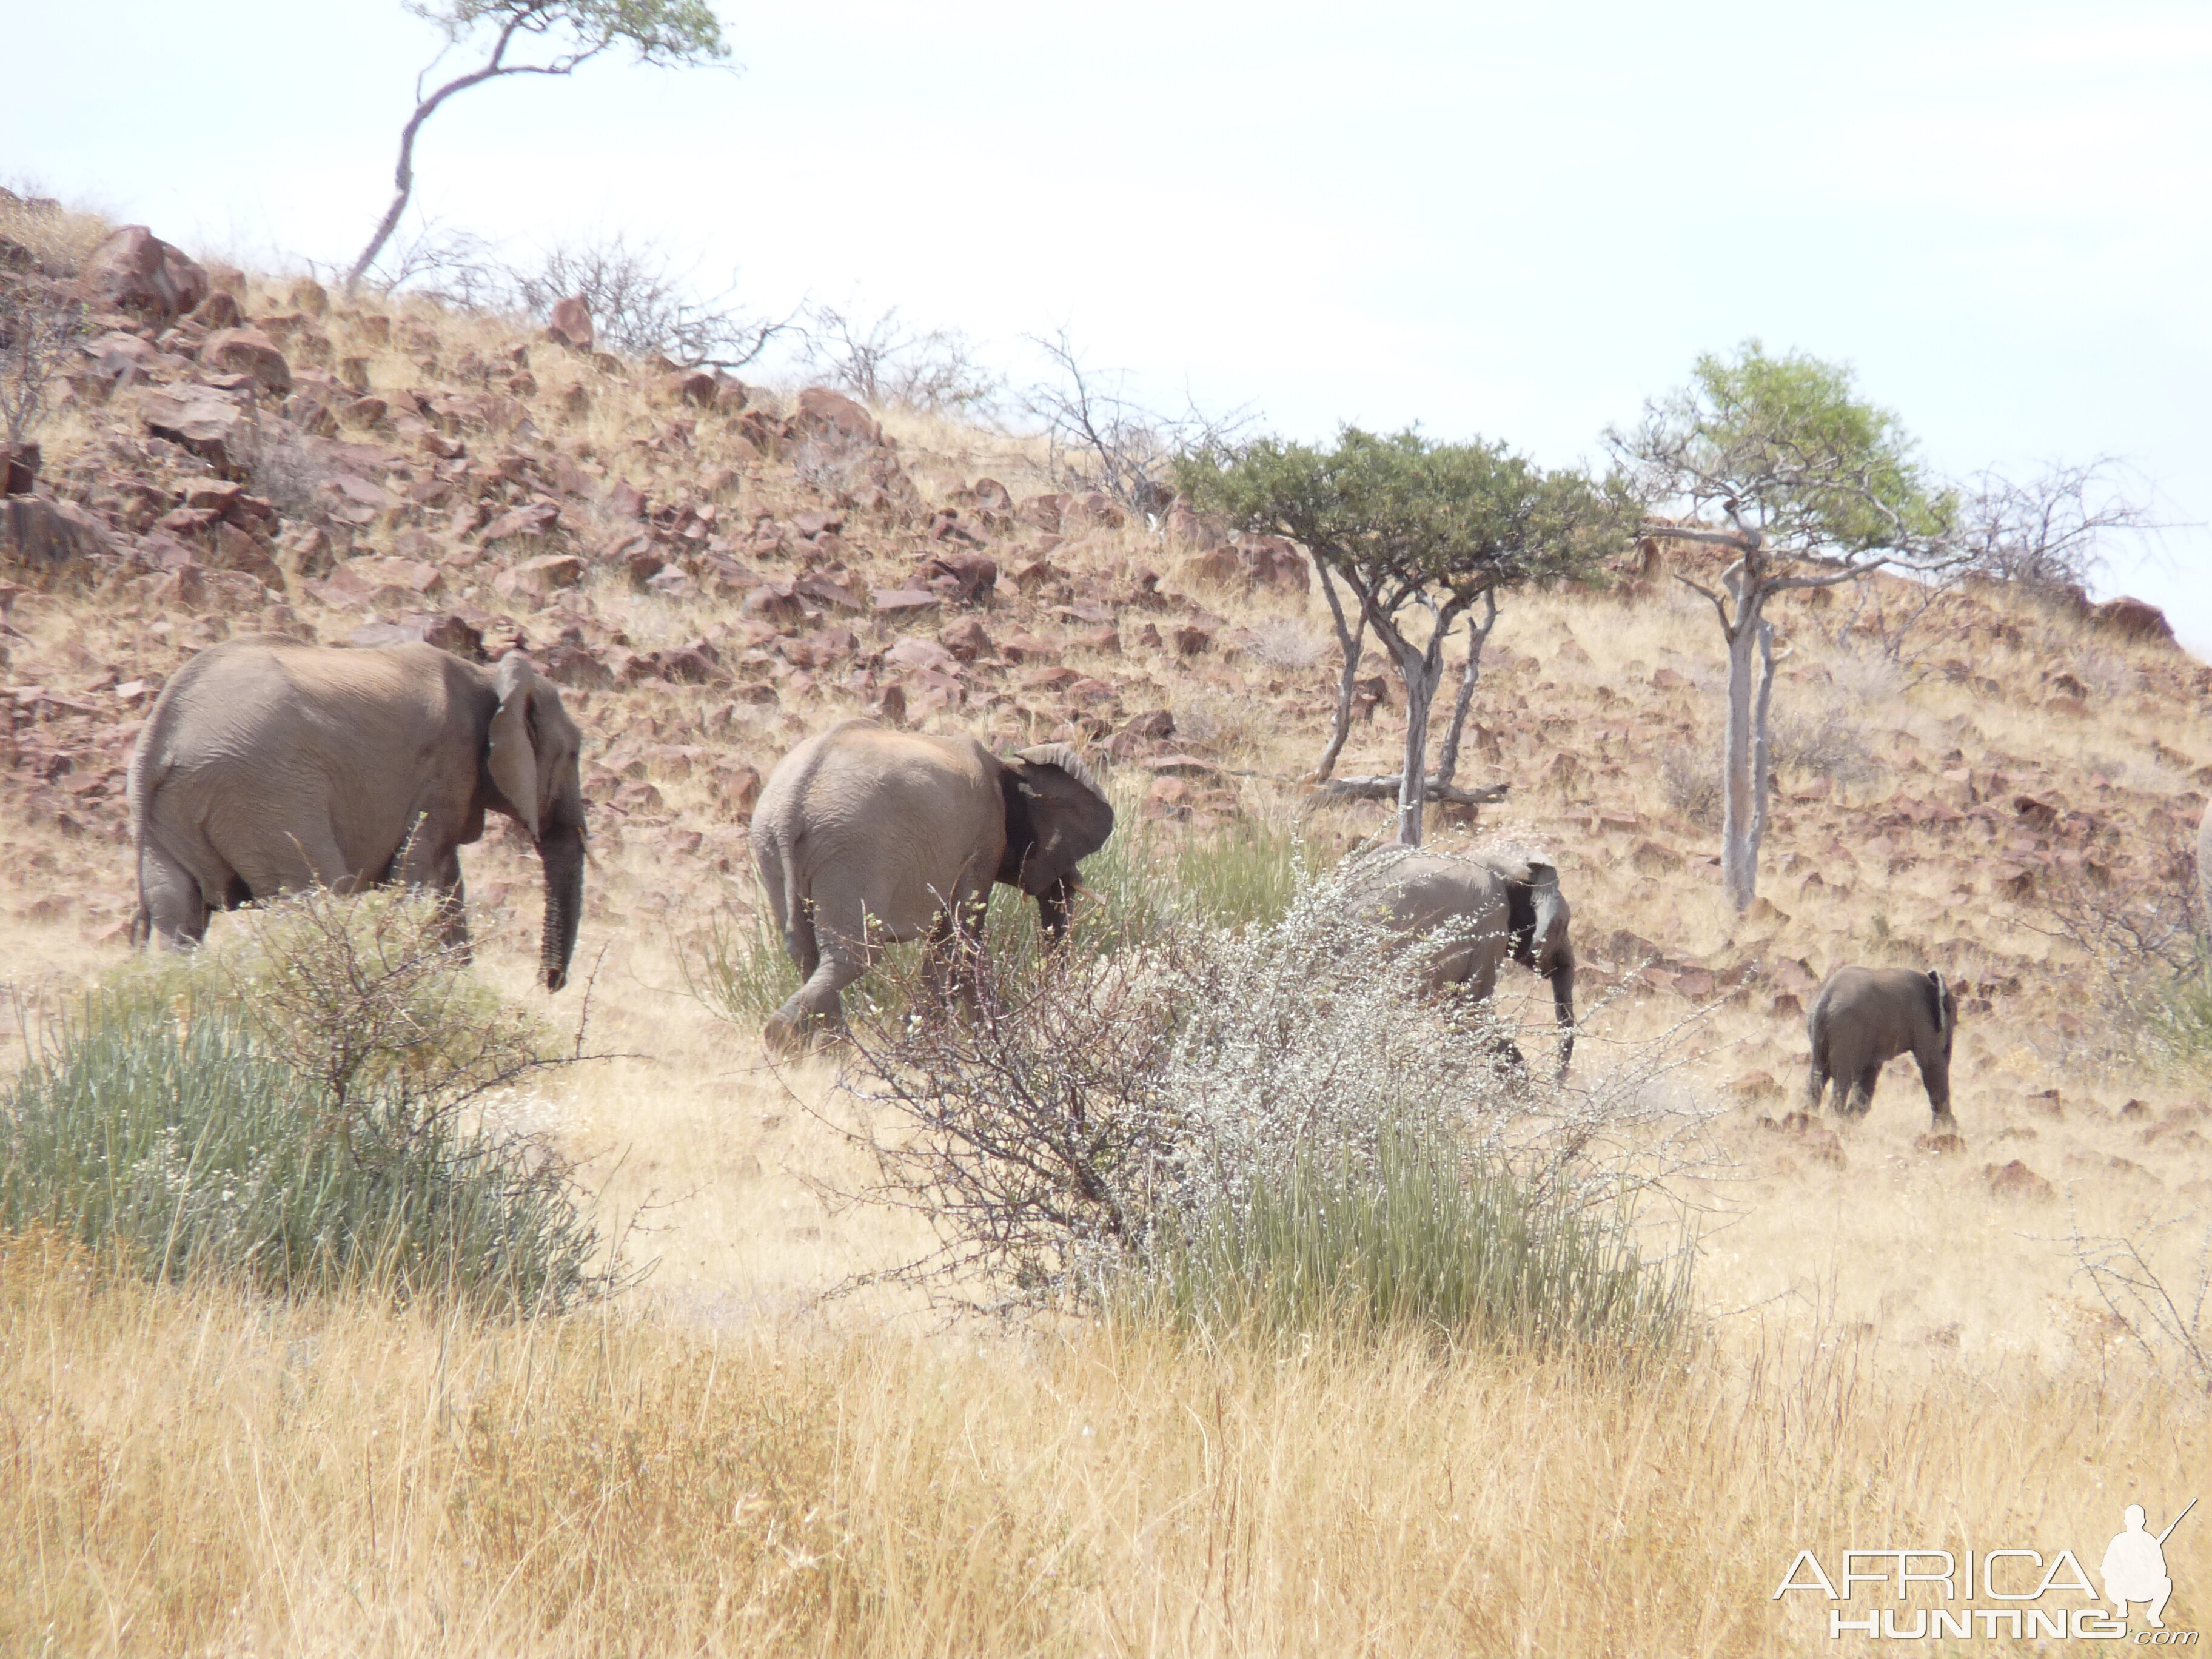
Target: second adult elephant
x=1494, y=905
x=866, y=837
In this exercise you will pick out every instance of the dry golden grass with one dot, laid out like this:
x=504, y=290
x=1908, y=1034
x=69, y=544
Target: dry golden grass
x=189, y=1473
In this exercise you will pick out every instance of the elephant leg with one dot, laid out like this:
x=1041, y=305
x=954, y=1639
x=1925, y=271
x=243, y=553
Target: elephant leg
x=950, y=954
x=172, y=909
x=1862, y=1097
x=429, y=862
x=1816, y=1085
x=843, y=952
x=1935, y=1078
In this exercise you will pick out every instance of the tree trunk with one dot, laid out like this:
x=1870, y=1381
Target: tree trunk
x=1447, y=762
x=1412, y=777
x=1739, y=800
x=403, y=176
x=1348, y=640
x=1762, y=786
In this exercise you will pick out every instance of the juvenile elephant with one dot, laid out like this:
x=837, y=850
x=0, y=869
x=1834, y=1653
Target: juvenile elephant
x=1862, y=1018
x=1495, y=903
x=866, y=837
x=267, y=764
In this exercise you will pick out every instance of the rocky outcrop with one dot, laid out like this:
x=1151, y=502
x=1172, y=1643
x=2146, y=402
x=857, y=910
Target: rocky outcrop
x=136, y=270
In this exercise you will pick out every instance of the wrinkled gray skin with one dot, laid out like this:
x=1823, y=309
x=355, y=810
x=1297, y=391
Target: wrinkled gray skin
x=269, y=765
x=866, y=837
x=1497, y=904
x=1862, y=1018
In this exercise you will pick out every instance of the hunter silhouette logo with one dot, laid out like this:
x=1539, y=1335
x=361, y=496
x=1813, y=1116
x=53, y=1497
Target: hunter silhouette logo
x=2017, y=1581
x=2134, y=1566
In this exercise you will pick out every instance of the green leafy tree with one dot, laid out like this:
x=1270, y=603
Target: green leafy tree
x=1421, y=535
x=554, y=37
x=1813, y=486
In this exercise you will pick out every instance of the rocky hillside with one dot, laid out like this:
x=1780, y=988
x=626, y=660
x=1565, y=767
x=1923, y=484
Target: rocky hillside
x=713, y=569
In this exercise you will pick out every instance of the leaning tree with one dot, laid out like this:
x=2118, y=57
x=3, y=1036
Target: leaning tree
x=552, y=36
x=1417, y=532
x=1813, y=487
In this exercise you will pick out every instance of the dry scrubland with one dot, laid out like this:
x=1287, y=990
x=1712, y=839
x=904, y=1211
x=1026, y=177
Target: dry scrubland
x=724, y=1461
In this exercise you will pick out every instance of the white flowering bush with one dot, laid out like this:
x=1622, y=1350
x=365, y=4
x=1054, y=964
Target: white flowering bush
x=1265, y=1125
x=298, y=1113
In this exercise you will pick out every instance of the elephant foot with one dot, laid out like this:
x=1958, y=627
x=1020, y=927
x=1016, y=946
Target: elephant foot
x=790, y=1036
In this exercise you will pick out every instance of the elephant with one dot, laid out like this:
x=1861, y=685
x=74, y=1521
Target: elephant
x=1495, y=902
x=268, y=765
x=1864, y=1017
x=866, y=837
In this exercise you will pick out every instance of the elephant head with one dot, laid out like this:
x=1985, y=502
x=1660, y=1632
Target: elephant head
x=1057, y=815
x=532, y=755
x=1538, y=922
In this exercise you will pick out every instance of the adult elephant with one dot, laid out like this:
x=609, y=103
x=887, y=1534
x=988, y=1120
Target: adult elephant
x=1862, y=1018
x=269, y=765
x=1493, y=904
x=866, y=837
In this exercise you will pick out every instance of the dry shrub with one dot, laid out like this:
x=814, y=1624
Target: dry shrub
x=1155, y=1128
x=1284, y=643
x=1830, y=745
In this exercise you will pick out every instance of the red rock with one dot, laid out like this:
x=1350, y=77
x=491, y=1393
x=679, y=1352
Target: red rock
x=197, y=419
x=1049, y=679
x=973, y=576
x=416, y=575
x=542, y=576
x=911, y=653
x=966, y=639
x=534, y=519
x=135, y=271
x=832, y=417
x=247, y=351
x=1666, y=679
x=570, y=323
x=1105, y=639
x=626, y=500
x=43, y=536
x=1043, y=511
x=901, y=601
x=730, y=396
x=1086, y=692
x=693, y=386
x=311, y=297
x=2016, y=1181
x=2137, y=619
x=1092, y=510
x=773, y=602
x=219, y=310
x=1192, y=638
x=823, y=591
x=1020, y=646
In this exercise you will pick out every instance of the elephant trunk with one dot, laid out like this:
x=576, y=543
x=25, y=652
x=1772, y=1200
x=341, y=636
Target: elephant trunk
x=1563, y=1005
x=562, y=850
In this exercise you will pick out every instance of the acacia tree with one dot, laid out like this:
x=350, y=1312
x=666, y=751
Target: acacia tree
x=1411, y=529
x=567, y=33
x=1815, y=488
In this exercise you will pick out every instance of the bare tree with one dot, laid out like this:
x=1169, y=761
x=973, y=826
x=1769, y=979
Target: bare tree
x=640, y=303
x=881, y=363
x=2050, y=531
x=38, y=332
x=1816, y=488
x=1097, y=439
x=572, y=32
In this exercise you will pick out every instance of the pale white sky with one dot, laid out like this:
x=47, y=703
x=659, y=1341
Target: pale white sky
x=1517, y=220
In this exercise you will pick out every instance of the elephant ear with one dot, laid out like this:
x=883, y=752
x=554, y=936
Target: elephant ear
x=512, y=756
x=1947, y=1001
x=1057, y=815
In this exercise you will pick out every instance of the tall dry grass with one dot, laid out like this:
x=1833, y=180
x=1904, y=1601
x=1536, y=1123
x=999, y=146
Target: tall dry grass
x=186, y=1472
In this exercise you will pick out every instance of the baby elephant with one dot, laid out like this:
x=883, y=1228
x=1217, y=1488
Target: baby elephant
x=1864, y=1018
